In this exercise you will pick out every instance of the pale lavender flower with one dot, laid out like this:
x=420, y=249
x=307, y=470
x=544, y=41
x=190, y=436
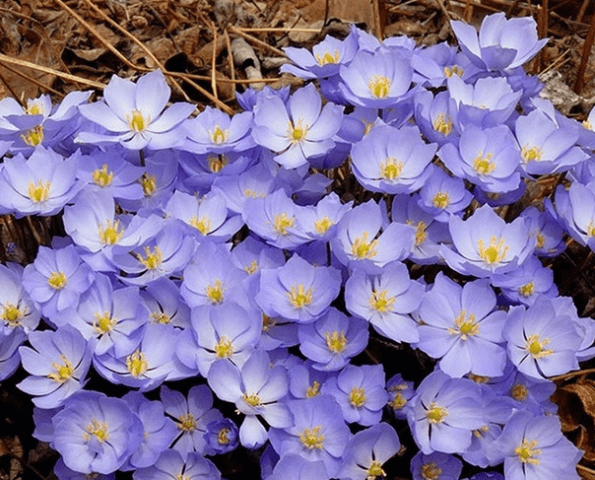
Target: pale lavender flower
x=17, y=310
x=222, y=436
x=435, y=466
x=501, y=44
x=10, y=358
x=133, y=115
x=172, y=465
x=298, y=130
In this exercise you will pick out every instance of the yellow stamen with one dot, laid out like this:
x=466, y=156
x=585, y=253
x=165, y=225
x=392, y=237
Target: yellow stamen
x=33, y=137
x=441, y=200
x=161, y=317
x=357, y=397
x=253, y=400
x=379, y=86
x=495, y=253
x=104, y=322
x=215, y=292
x=218, y=135
x=57, y=280
x=313, y=389
x=149, y=184
x=323, y=224
x=454, y=70
x=223, y=348
x=187, y=423
x=531, y=153
x=519, y=392
x=63, y=371
x=299, y=297
x=111, y=234
x=379, y=302
x=465, y=326
x=136, y=363
x=222, y=437
x=527, y=451
x=102, y=176
x=483, y=165
x=34, y=108
x=39, y=192
x=535, y=346
x=311, y=438
x=361, y=248
x=202, y=224
x=527, y=290
x=251, y=268
x=436, y=413
x=335, y=341
x=375, y=470
x=442, y=124
x=398, y=401
x=391, y=169
x=282, y=222
x=151, y=260
x=97, y=429
x=137, y=122
x=430, y=471
x=297, y=132
x=11, y=314
x=216, y=163
x=327, y=58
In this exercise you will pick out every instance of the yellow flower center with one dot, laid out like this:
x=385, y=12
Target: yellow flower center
x=527, y=451
x=436, y=413
x=442, y=124
x=494, y=253
x=137, y=122
x=216, y=163
x=160, y=317
x=527, y=290
x=323, y=224
x=97, y=429
x=151, y=260
x=519, y=392
x=104, y=322
x=466, y=326
x=375, y=470
x=297, y=132
x=149, y=184
x=63, y=371
x=57, y=280
x=531, y=153
x=398, y=401
x=187, y=422
x=379, y=302
x=223, y=348
x=483, y=165
x=102, y=176
x=454, y=70
x=328, y=58
x=215, y=292
x=391, y=169
x=136, y=363
x=361, y=248
x=282, y=222
x=441, y=200
x=430, y=471
x=299, y=297
x=218, y=135
x=111, y=234
x=253, y=400
x=536, y=347
x=313, y=389
x=11, y=314
x=33, y=137
x=222, y=436
x=34, y=108
x=202, y=224
x=357, y=397
x=40, y=191
x=311, y=438
x=335, y=341
x=251, y=267
x=379, y=86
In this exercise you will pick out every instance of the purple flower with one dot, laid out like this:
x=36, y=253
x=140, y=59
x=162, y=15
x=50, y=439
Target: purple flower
x=485, y=244
x=501, y=44
x=165, y=304
x=366, y=240
x=96, y=433
x=191, y=416
x=256, y=389
x=442, y=195
x=460, y=326
x=367, y=451
x=386, y=301
x=444, y=413
x=400, y=392
x=10, y=359
x=534, y=448
x=298, y=290
x=391, y=160
x=376, y=80
x=40, y=185
x=56, y=279
x=159, y=431
x=17, y=310
x=332, y=340
x=576, y=211
x=58, y=364
x=360, y=393
x=542, y=342
x=298, y=130
x=435, y=466
x=319, y=433
x=433, y=117
x=172, y=465
x=135, y=118
x=549, y=235
x=295, y=467
x=222, y=436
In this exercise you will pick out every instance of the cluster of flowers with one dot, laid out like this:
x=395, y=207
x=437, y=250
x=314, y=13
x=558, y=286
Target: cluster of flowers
x=209, y=247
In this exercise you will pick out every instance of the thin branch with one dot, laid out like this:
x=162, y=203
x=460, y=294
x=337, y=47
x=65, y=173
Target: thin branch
x=255, y=41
